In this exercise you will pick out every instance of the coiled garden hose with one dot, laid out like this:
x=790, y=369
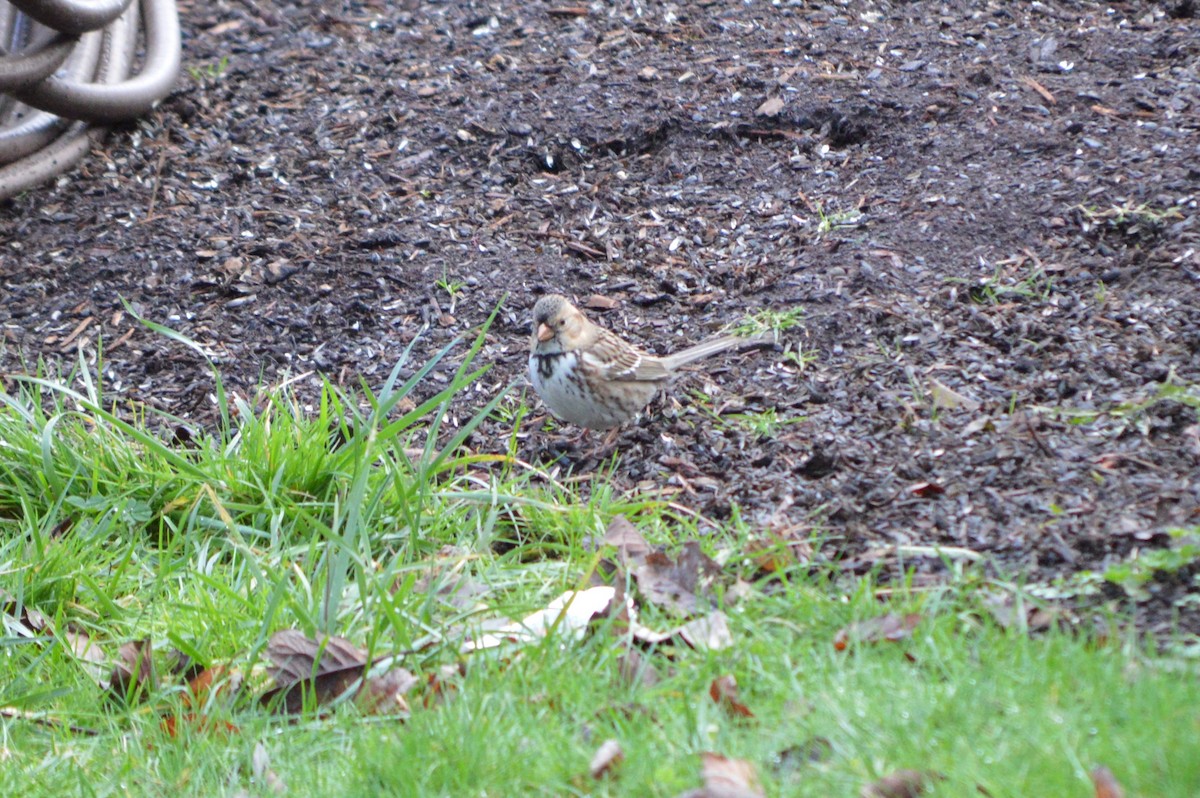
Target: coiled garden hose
x=66, y=72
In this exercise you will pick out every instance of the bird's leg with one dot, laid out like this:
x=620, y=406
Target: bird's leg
x=606, y=446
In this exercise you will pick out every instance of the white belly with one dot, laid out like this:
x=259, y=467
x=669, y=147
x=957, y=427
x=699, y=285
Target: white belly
x=565, y=399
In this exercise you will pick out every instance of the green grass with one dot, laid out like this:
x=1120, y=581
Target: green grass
x=762, y=424
x=338, y=519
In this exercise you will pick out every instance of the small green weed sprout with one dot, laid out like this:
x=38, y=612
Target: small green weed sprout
x=211, y=72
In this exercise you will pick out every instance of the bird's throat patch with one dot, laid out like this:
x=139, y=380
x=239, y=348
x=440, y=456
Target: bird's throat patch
x=548, y=364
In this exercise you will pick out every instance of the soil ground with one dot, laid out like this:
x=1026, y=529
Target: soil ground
x=987, y=212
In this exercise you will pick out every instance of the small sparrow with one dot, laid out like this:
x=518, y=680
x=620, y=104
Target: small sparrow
x=588, y=376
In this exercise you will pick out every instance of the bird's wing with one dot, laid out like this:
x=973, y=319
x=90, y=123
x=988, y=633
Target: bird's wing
x=615, y=359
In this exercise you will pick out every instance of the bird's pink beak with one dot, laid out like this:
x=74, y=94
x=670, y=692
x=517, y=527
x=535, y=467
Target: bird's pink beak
x=544, y=333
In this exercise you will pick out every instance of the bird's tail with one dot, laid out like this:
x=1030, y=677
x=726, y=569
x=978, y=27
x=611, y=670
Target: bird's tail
x=714, y=346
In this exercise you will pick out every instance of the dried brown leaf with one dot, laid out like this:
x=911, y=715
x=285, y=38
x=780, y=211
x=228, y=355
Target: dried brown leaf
x=260, y=766
x=636, y=669
x=133, y=675
x=708, y=632
x=724, y=691
x=1106, y=783
x=812, y=750
x=329, y=669
x=900, y=784
x=1004, y=611
x=441, y=685
x=728, y=778
x=680, y=585
x=23, y=619
x=456, y=590
x=885, y=628
x=705, y=633
x=320, y=690
x=631, y=547
x=211, y=682
x=926, y=490
x=90, y=655
x=294, y=656
x=383, y=694
x=606, y=759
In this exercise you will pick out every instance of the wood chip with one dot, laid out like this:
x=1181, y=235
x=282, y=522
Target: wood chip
x=79, y=328
x=1040, y=89
x=599, y=302
x=771, y=107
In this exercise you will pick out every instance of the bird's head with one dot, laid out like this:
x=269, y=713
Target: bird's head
x=558, y=326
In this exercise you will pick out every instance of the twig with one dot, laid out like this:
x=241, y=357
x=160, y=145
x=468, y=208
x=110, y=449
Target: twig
x=45, y=720
x=162, y=157
x=1036, y=438
x=1040, y=89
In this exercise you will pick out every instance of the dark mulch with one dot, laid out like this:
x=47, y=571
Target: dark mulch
x=986, y=210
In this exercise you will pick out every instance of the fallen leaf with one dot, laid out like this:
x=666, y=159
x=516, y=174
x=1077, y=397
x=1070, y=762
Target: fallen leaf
x=1106, y=783
x=329, y=669
x=383, y=694
x=889, y=628
x=776, y=552
x=1029, y=617
x=636, y=669
x=606, y=760
x=727, y=778
x=926, y=490
x=456, y=590
x=569, y=615
x=631, y=547
x=441, y=684
x=210, y=683
x=22, y=620
x=705, y=633
x=680, y=585
x=295, y=657
x=260, y=766
x=947, y=398
x=90, y=655
x=900, y=784
x=133, y=675
x=811, y=751
x=724, y=691
x=321, y=690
